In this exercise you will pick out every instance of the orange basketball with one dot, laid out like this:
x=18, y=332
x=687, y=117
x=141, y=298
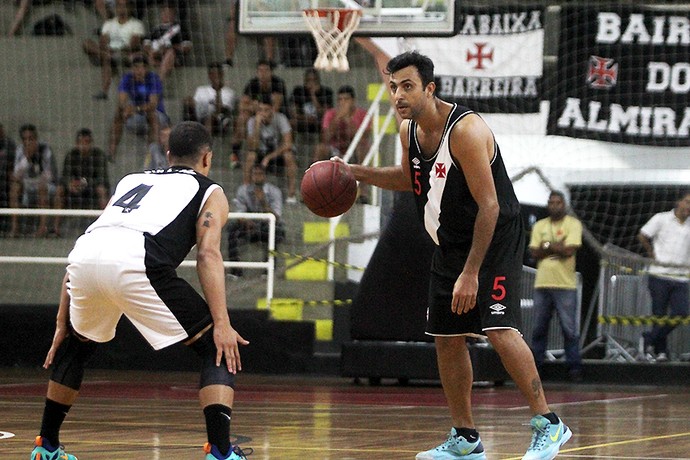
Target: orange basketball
x=329, y=188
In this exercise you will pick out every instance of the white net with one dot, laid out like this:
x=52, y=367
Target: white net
x=332, y=29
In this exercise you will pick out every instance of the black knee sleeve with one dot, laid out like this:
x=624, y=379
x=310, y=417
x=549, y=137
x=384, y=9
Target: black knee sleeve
x=210, y=373
x=68, y=369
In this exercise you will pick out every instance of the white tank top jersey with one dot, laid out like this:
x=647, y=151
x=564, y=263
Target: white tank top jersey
x=164, y=206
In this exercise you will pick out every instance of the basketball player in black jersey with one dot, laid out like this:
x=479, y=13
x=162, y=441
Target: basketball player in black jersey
x=454, y=167
x=124, y=264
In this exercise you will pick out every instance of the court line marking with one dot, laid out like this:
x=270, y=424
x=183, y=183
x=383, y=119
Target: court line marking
x=616, y=443
x=597, y=401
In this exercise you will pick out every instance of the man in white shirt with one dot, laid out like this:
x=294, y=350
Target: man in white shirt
x=120, y=36
x=213, y=104
x=666, y=239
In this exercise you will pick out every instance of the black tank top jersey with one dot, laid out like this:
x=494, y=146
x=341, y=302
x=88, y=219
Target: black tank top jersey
x=164, y=205
x=444, y=201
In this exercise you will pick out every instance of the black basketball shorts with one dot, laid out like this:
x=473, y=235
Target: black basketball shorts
x=498, y=296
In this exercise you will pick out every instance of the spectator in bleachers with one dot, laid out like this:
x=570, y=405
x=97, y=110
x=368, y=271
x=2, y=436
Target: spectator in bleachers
x=339, y=126
x=338, y=129
x=7, y=151
x=33, y=178
x=666, y=239
x=140, y=105
x=84, y=182
x=269, y=141
x=214, y=105
x=554, y=243
x=309, y=102
x=256, y=196
x=266, y=83
x=263, y=85
x=120, y=38
x=166, y=46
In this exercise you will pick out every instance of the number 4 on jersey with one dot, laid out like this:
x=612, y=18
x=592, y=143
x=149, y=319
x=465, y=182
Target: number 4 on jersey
x=130, y=200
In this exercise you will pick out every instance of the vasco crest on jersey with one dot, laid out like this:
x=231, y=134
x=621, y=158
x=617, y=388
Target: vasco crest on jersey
x=440, y=170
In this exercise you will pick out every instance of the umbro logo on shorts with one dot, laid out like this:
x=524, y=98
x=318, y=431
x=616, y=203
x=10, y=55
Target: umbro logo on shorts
x=497, y=309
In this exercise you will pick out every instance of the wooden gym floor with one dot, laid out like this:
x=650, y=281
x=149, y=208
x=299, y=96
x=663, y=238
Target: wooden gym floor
x=151, y=416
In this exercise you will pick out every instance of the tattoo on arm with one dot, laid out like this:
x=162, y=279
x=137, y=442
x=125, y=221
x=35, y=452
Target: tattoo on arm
x=207, y=219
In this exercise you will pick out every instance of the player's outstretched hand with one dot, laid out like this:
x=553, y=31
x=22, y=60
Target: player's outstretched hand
x=227, y=342
x=61, y=332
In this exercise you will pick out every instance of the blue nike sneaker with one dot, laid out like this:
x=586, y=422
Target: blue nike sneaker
x=44, y=451
x=455, y=448
x=547, y=438
x=235, y=453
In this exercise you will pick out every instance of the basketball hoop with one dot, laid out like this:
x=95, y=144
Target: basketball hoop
x=332, y=29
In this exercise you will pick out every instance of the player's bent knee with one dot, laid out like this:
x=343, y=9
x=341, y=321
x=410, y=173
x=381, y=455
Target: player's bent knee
x=210, y=373
x=74, y=353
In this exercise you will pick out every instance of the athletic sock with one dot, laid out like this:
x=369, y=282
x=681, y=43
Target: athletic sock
x=470, y=434
x=553, y=418
x=218, y=426
x=53, y=416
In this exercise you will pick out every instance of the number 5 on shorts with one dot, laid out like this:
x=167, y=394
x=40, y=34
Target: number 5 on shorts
x=499, y=289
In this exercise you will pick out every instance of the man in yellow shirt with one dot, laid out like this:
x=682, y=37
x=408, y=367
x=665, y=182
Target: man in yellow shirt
x=554, y=242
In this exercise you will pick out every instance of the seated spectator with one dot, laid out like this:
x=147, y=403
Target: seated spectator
x=269, y=140
x=213, y=105
x=263, y=85
x=309, y=103
x=256, y=196
x=140, y=105
x=33, y=178
x=166, y=46
x=266, y=83
x=84, y=182
x=338, y=128
x=120, y=37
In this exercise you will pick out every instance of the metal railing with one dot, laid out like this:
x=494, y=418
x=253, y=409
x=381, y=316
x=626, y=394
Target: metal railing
x=268, y=264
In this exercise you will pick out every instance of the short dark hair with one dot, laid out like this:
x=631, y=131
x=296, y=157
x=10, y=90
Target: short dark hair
x=27, y=127
x=187, y=139
x=264, y=62
x=139, y=59
x=557, y=193
x=347, y=89
x=84, y=132
x=423, y=64
x=312, y=71
x=215, y=66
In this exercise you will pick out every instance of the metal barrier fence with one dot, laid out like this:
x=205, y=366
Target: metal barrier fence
x=554, y=348
x=268, y=264
x=624, y=310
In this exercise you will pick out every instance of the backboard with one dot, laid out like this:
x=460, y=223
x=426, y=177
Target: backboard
x=380, y=18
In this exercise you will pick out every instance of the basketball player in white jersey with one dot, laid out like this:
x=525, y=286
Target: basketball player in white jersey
x=125, y=264
x=454, y=167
